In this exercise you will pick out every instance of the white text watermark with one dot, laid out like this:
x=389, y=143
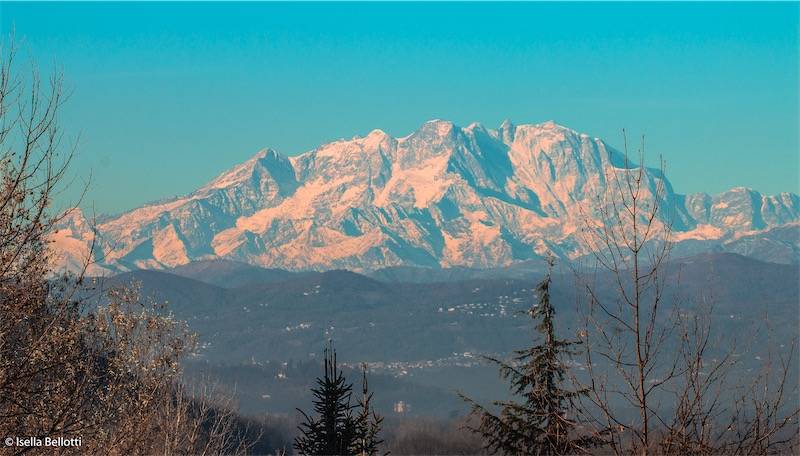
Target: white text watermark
x=42, y=441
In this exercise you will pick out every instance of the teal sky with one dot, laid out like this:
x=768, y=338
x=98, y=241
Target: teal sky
x=166, y=96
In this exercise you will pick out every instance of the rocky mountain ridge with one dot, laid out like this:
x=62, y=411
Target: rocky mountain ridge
x=443, y=196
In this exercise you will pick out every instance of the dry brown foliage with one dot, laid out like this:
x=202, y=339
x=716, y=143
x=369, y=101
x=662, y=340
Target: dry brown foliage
x=109, y=375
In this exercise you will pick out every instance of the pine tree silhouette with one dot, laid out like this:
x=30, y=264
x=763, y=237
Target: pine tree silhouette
x=333, y=431
x=544, y=423
x=368, y=422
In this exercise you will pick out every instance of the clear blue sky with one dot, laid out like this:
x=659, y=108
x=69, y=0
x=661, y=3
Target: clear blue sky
x=166, y=96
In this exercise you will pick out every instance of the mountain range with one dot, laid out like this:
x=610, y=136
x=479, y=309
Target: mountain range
x=442, y=197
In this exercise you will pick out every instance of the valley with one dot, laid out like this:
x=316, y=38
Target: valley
x=423, y=341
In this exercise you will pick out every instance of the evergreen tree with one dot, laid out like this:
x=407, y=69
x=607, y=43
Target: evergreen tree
x=368, y=422
x=333, y=431
x=544, y=423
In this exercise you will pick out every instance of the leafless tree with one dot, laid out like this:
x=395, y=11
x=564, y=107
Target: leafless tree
x=109, y=375
x=647, y=353
x=39, y=326
x=629, y=242
x=717, y=410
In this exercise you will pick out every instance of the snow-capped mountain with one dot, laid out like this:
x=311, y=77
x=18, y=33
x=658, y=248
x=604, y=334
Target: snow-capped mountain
x=441, y=196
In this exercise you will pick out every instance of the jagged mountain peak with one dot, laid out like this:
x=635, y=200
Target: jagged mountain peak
x=377, y=133
x=476, y=127
x=376, y=138
x=264, y=158
x=442, y=196
x=550, y=129
x=435, y=128
x=506, y=132
x=552, y=125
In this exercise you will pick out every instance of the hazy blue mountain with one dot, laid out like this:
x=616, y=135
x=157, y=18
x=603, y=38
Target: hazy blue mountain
x=230, y=274
x=424, y=339
x=374, y=320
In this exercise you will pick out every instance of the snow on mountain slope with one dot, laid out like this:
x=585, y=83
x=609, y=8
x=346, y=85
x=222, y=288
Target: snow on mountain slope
x=441, y=196
x=744, y=209
x=71, y=245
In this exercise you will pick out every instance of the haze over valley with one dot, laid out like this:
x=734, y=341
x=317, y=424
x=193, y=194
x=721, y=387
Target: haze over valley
x=419, y=255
